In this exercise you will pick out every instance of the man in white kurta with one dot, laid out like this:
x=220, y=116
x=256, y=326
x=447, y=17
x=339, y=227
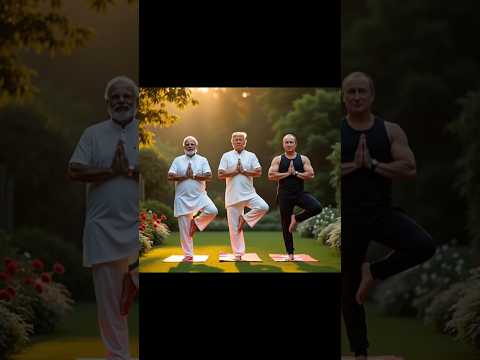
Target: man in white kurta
x=106, y=158
x=238, y=167
x=190, y=173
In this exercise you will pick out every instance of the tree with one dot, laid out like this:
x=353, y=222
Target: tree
x=419, y=74
x=314, y=120
x=37, y=25
x=153, y=110
x=154, y=170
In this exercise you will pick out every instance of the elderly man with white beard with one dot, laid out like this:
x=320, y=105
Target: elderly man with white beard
x=190, y=173
x=106, y=158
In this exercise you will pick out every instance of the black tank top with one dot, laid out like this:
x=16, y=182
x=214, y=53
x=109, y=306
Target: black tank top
x=291, y=184
x=364, y=189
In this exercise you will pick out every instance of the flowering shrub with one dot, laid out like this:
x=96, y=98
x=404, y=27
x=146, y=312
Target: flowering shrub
x=314, y=226
x=30, y=292
x=411, y=292
x=465, y=313
x=331, y=235
x=152, y=230
x=14, y=331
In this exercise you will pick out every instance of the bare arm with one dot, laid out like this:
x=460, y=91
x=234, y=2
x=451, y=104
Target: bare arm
x=204, y=177
x=308, y=172
x=273, y=173
x=403, y=165
x=255, y=173
x=223, y=174
x=174, y=177
x=85, y=173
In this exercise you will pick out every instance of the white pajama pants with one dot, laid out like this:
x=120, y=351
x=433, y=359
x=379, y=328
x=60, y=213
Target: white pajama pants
x=258, y=208
x=207, y=214
x=108, y=282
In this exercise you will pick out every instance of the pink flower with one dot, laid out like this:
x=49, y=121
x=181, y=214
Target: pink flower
x=12, y=268
x=58, y=268
x=7, y=261
x=38, y=264
x=39, y=287
x=46, y=278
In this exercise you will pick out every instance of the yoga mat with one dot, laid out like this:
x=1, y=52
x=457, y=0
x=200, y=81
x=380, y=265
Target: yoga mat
x=298, y=257
x=179, y=258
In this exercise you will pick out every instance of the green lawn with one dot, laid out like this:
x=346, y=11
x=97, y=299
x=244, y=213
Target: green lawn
x=411, y=339
x=77, y=337
x=263, y=243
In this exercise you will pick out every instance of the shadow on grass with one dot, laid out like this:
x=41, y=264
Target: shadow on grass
x=244, y=266
x=306, y=267
x=192, y=267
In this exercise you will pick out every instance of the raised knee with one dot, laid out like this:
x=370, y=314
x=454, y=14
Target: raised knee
x=264, y=207
x=317, y=209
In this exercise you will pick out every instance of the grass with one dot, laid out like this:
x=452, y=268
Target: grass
x=409, y=338
x=263, y=243
x=77, y=337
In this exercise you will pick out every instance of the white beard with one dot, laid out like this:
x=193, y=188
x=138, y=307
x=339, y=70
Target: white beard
x=123, y=116
x=190, y=153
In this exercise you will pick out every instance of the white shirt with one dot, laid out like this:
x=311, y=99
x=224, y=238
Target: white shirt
x=111, y=221
x=190, y=195
x=239, y=187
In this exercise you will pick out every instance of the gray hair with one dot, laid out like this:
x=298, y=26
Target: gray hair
x=189, y=137
x=124, y=79
x=239, y=133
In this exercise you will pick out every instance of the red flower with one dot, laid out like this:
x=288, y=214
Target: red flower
x=155, y=216
x=28, y=281
x=46, y=278
x=4, y=295
x=39, y=287
x=12, y=292
x=7, y=261
x=12, y=268
x=58, y=268
x=4, y=276
x=143, y=215
x=38, y=264
x=163, y=218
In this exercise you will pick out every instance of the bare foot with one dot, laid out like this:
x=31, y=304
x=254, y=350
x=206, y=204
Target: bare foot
x=366, y=284
x=241, y=222
x=193, y=227
x=293, y=222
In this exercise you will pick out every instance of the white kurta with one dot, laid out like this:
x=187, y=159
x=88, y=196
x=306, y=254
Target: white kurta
x=239, y=187
x=111, y=223
x=190, y=195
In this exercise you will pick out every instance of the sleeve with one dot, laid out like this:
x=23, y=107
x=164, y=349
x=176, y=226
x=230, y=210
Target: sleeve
x=255, y=163
x=173, y=167
x=83, y=153
x=206, y=167
x=223, y=163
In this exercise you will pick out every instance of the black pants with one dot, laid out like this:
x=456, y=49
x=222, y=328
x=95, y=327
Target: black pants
x=287, y=202
x=411, y=246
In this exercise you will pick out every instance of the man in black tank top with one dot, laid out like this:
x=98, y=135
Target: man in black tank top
x=374, y=152
x=291, y=170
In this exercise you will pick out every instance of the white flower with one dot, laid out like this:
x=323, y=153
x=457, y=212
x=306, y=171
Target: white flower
x=27, y=255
